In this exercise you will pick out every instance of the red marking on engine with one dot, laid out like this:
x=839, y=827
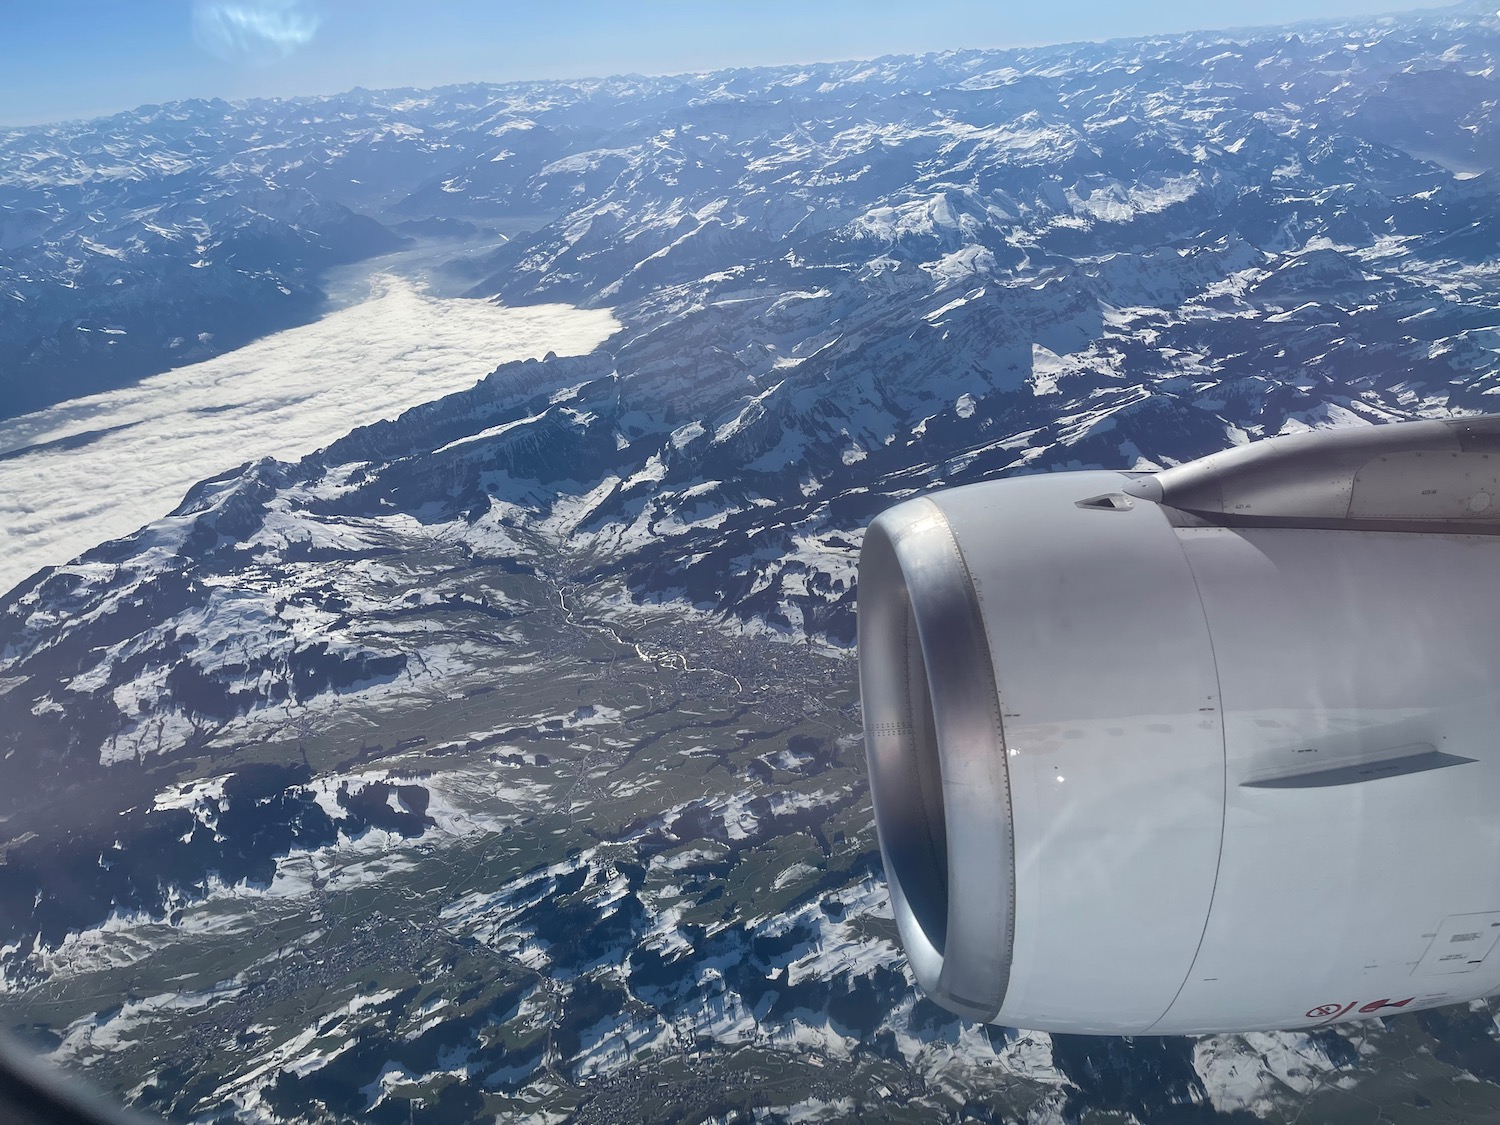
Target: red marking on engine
x=1328, y=1011
x=1376, y=1005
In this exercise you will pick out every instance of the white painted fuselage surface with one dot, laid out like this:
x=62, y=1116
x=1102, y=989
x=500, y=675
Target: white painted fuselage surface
x=90, y=470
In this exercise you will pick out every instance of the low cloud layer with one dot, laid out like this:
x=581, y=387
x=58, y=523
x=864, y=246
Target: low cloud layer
x=253, y=31
x=97, y=468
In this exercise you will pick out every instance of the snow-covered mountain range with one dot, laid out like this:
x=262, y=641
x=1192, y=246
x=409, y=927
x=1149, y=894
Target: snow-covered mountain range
x=604, y=603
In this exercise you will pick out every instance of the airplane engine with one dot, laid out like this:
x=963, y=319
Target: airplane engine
x=1211, y=749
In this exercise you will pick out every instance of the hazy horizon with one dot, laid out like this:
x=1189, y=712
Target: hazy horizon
x=78, y=59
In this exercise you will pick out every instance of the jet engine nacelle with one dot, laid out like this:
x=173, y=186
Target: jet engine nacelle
x=1211, y=749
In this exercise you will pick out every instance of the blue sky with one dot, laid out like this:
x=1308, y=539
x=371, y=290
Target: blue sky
x=76, y=58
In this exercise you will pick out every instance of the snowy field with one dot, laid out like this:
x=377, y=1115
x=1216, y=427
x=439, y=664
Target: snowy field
x=96, y=468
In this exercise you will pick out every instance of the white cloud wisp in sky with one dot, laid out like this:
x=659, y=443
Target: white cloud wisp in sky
x=253, y=31
x=96, y=468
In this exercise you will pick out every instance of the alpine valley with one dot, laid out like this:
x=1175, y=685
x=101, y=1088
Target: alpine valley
x=503, y=759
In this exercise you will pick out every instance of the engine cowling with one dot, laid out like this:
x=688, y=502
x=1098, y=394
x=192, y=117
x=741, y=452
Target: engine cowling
x=1212, y=749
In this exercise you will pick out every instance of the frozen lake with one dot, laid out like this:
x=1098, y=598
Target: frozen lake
x=96, y=468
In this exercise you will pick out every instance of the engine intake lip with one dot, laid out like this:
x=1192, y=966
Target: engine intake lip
x=936, y=748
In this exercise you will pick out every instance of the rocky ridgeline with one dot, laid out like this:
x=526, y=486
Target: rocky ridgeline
x=161, y=235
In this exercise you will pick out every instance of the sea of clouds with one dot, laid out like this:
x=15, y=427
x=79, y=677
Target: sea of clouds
x=93, y=469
